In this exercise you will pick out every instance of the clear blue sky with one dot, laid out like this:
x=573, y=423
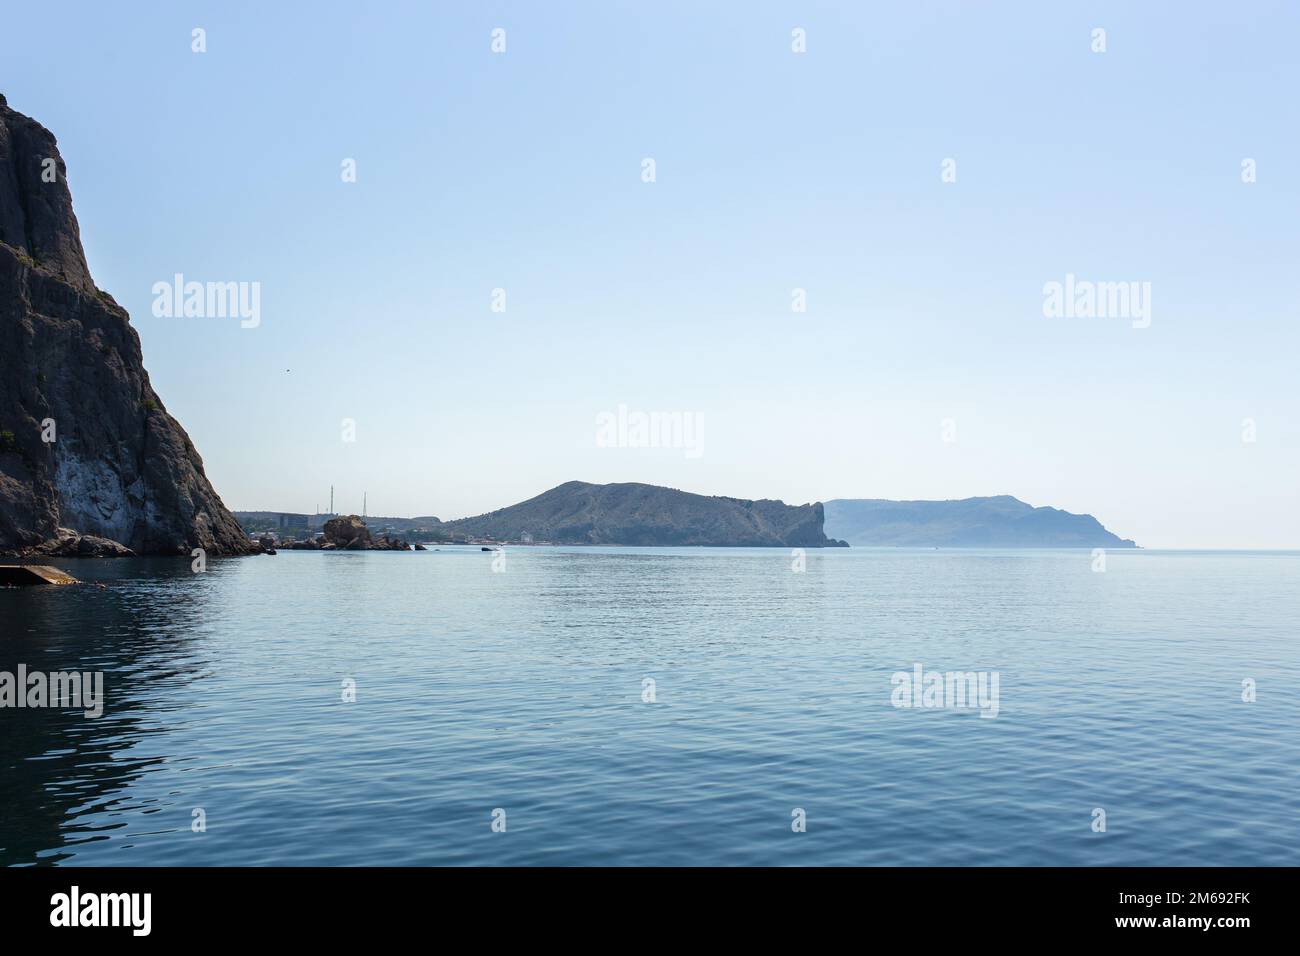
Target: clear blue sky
x=774, y=171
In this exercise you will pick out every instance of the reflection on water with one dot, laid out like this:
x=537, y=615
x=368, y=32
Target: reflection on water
x=523, y=690
x=56, y=765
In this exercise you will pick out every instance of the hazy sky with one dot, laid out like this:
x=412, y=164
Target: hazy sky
x=774, y=171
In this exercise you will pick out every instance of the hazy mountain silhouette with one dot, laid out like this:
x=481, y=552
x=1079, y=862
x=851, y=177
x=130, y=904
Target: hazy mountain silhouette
x=998, y=522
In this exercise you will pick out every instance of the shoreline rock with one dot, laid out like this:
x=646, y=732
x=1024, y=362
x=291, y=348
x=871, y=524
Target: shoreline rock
x=27, y=575
x=70, y=544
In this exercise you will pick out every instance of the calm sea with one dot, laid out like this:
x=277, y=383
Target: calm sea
x=524, y=696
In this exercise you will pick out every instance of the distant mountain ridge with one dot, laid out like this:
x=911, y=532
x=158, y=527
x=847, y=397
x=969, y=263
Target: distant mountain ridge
x=577, y=512
x=998, y=522
x=632, y=513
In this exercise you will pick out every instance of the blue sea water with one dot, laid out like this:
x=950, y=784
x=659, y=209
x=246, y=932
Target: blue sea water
x=523, y=690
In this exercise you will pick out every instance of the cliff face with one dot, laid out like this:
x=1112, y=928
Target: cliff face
x=636, y=514
x=120, y=467
x=1000, y=522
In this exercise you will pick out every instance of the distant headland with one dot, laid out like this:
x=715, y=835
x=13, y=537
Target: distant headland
x=580, y=513
x=997, y=522
x=615, y=514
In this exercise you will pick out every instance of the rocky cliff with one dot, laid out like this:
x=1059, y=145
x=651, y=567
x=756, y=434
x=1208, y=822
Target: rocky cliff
x=119, y=471
x=635, y=514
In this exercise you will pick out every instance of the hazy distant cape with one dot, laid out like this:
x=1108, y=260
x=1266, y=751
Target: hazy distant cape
x=1000, y=522
x=636, y=514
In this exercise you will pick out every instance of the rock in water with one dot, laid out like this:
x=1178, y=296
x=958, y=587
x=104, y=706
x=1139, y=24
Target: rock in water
x=29, y=574
x=347, y=531
x=119, y=468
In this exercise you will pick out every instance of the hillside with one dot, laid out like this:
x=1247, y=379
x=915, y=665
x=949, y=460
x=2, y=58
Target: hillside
x=636, y=514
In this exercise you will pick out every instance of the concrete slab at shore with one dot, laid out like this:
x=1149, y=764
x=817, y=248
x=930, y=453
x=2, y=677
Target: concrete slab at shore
x=26, y=574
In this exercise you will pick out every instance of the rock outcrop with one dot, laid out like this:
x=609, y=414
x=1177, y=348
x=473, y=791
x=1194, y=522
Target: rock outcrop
x=87, y=450
x=349, y=533
x=69, y=544
x=346, y=529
